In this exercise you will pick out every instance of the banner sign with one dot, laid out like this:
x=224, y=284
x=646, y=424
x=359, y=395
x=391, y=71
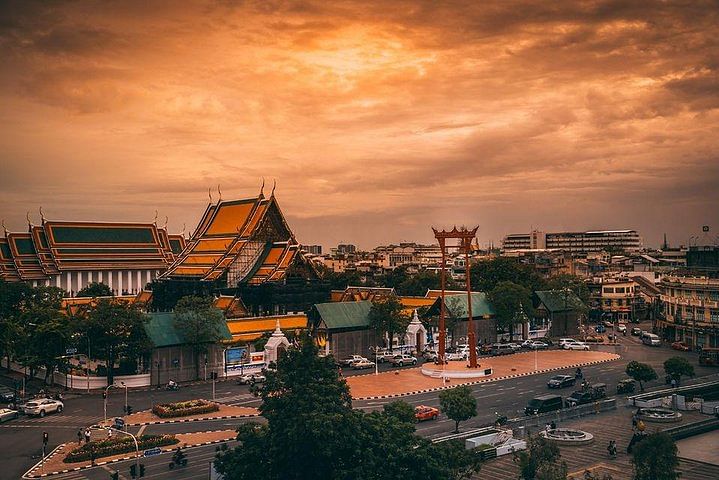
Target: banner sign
x=236, y=356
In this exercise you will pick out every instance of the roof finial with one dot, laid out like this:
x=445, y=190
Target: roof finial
x=183, y=229
x=155, y=220
x=42, y=215
x=219, y=192
x=166, y=219
x=29, y=222
x=262, y=188
x=209, y=192
x=274, y=184
x=3, y=226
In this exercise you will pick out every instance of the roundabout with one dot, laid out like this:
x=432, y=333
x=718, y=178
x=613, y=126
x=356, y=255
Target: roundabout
x=567, y=436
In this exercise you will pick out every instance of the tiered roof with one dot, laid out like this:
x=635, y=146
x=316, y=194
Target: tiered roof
x=55, y=247
x=242, y=241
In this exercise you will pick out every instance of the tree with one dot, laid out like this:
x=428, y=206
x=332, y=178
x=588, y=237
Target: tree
x=387, y=316
x=115, y=329
x=571, y=282
x=540, y=461
x=458, y=404
x=401, y=410
x=200, y=323
x=313, y=432
x=641, y=372
x=512, y=304
x=675, y=367
x=45, y=332
x=487, y=274
x=95, y=289
x=12, y=298
x=655, y=458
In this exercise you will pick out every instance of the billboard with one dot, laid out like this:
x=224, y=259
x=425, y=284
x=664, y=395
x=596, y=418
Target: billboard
x=236, y=356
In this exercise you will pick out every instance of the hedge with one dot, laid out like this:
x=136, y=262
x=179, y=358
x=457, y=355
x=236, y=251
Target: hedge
x=118, y=445
x=184, y=409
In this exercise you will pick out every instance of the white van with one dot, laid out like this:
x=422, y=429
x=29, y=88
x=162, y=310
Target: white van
x=651, y=340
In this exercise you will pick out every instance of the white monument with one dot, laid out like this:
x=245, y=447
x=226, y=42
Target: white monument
x=277, y=344
x=416, y=335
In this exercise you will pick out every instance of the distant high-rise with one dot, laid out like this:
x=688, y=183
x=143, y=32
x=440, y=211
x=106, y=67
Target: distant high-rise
x=313, y=249
x=575, y=242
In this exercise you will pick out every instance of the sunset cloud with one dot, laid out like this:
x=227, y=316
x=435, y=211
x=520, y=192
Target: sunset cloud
x=377, y=119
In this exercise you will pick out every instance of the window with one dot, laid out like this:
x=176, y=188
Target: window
x=714, y=315
x=608, y=289
x=714, y=295
x=620, y=290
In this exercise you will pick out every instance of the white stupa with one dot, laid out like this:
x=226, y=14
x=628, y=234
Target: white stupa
x=277, y=344
x=416, y=333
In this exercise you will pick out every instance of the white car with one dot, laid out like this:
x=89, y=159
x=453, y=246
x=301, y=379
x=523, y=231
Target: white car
x=514, y=346
x=575, y=346
x=43, y=406
x=251, y=378
x=526, y=344
x=562, y=341
x=538, y=345
x=361, y=364
x=7, y=414
x=621, y=328
x=402, y=360
x=456, y=356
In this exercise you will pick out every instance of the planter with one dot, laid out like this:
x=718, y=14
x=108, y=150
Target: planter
x=116, y=446
x=184, y=409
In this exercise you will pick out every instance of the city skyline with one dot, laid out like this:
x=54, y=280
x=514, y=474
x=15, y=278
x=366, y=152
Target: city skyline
x=376, y=122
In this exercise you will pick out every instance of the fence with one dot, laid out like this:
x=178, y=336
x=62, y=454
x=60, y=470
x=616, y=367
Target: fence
x=522, y=424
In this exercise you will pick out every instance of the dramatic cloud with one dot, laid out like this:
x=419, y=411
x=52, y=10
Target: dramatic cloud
x=376, y=119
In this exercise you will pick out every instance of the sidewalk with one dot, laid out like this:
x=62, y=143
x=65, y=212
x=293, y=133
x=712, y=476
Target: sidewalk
x=412, y=381
x=614, y=425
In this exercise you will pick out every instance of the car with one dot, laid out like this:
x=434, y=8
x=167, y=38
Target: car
x=561, y=381
x=43, y=406
x=621, y=328
x=7, y=395
x=680, y=346
x=538, y=345
x=402, y=360
x=251, y=378
x=587, y=395
x=514, y=346
x=423, y=412
x=600, y=328
x=594, y=339
x=430, y=355
x=575, y=345
x=526, y=344
x=636, y=331
x=347, y=362
x=485, y=349
x=562, y=341
x=608, y=324
x=6, y=414
x=360, y=364
x=502, y=349
x=543, y=404
x=452, y=356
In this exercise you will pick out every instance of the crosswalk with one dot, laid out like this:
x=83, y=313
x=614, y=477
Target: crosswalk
x=74, y=421
x=239, y=399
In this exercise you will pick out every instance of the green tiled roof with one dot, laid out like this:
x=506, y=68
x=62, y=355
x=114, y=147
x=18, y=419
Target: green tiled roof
x=554, y=300
x=162, y=332
x=25, y=246
x=345, y=315
x=71, y=234
x=176, y=246
x=457, y=305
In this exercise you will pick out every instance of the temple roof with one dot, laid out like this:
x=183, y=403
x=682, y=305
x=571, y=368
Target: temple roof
x=7, y=265
x=243, y=241
x=24, y=255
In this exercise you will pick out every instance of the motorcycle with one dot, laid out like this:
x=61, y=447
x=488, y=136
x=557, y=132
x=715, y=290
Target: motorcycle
x=501, y=419
x=179, y=460
x=172, y=386
x=612, y=449
x=578, y=374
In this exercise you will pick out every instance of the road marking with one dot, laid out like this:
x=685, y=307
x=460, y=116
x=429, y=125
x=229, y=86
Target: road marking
x=142, y=429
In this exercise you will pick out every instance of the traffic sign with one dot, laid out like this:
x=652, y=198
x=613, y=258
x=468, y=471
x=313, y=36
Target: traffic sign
x=152, y=451
x=70, y=351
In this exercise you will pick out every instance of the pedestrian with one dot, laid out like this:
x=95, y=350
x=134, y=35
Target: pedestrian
x=553, y=425
x=79, y=437
x=87, y=435
x=674, y=383
x=109, y=434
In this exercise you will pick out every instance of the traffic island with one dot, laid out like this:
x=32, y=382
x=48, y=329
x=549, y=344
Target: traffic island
x=55, y=462
x=411, y=381
x=223, y=412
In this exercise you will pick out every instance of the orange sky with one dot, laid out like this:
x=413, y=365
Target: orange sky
x=377, y=119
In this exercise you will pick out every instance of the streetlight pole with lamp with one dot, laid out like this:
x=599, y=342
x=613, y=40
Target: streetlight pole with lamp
x=123, y=384
x=104, y=400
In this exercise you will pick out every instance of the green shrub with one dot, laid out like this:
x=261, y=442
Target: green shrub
x=184, y=409
x=118, y=445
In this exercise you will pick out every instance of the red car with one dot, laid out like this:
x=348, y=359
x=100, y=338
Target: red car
x=680, y=346
x=423, y=412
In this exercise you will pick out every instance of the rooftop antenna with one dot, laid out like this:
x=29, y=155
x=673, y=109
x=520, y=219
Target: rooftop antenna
x=209, y=193
x=274, y=184
x=219, y=192
x=42, y=215
x=262, y=188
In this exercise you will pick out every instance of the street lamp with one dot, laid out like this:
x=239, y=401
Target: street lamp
x=123, y=384
x=137, y=447
x=104, y=399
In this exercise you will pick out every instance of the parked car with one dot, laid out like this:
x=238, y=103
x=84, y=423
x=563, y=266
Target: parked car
x=7, y=395
x=621, y=328
x=514, y=346
x=587, y=395
x=251, y=378
x=680, y=346
x=402, y=360
x=43, y=406
x=651, y=340
x=543, y=404
x=636, y=331
x=485, y=349
x=453, y=356
x=6, y=414
x=430, y=355
x=361, y=364
x=538, y=345
x=562, y=341
x=347, y=362
x=385, y=356
x=561, y=381
x=502, y=349
x=626, y=385
x=575, y=345
x=423, y=412
x=526, y=344
x=600, y=328
x=594, y=339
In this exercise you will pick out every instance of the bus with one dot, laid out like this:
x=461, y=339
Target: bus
x=709, y=357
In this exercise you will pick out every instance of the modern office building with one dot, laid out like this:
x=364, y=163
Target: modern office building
x=575, y=242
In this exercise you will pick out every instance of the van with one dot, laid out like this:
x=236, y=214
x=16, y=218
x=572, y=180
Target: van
x=651, y=340
x=543, y=404
x=502, y=349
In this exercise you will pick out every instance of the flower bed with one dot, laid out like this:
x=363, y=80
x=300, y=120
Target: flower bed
x=184, y=409
x=114, y=446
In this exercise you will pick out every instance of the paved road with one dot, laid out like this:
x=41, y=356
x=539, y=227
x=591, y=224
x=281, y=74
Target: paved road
x=506, y=397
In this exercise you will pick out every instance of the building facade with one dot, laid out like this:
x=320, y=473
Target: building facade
x=576, y=242
x=690, y=310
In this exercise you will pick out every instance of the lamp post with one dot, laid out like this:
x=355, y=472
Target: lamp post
x=137, y=447
x=87, y=364
x=104, y=400
x=123, y=384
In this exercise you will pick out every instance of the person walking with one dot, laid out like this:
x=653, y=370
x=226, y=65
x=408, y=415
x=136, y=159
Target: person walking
x=109, y=434
x=87, y=435
x=79, y=437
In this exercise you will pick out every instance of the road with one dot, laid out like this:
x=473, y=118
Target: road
x=508, y=397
